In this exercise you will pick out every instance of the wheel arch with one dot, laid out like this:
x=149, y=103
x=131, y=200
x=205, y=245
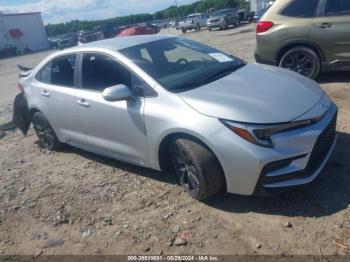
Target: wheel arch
x=315, y=47
x=33, y=111
x=163, y=153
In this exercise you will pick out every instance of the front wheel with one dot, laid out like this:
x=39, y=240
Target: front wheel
x=47, y=136
x=183, y=30
x=197, y=169
x=302, y=60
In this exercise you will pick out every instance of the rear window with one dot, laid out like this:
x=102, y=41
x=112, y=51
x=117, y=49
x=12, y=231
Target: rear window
x=301, y=8
x=59, y=71
x=337, y=7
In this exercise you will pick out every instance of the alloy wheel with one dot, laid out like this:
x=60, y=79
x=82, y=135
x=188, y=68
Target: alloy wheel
x=44, y=132
x=302, y=62
x=185, y=170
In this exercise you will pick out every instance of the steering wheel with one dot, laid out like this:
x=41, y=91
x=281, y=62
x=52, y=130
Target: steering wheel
x=182, y=60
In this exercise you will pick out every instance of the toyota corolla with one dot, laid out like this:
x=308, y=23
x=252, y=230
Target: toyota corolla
x=170, y=103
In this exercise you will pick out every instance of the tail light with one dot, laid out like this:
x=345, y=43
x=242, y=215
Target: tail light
x=20, y=88
x=263, y=26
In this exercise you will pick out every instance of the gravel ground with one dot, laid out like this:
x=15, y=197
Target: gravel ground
x=73, y=202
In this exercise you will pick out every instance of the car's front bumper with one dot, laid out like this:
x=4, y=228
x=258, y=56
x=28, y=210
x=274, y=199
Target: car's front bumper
x=284, y=174
x=293, y=161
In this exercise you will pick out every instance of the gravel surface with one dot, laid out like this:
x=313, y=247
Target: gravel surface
x=73, y=202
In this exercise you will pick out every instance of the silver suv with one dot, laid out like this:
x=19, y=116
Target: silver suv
x=170, y=103
x=222, y=19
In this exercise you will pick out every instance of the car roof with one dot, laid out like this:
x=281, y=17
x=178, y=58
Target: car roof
x=119, y=43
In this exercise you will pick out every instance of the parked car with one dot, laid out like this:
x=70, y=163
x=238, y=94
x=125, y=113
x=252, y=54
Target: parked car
x=107, y=31
x=160, y=23
x=193, y=22
x=67, y=40
x=174, y=23
x=308, y=37
x=250, y=16
x=151, y=26
x=65, y=43
x=222, y=19
x=139, y=30
x=89, y=36
x=171, y=103
x=53, y=42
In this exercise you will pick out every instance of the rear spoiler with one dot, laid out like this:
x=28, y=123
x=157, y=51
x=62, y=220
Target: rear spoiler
x=25, y=71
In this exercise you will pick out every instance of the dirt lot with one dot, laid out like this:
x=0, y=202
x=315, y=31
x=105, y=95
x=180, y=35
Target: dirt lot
x=73, y=202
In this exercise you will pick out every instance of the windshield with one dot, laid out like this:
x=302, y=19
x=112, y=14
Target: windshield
x=222, y=12
x=180, y=64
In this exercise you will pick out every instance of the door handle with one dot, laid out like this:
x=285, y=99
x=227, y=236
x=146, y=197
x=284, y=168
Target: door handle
x=83, y=102
x=45, y=93
x=324, y=25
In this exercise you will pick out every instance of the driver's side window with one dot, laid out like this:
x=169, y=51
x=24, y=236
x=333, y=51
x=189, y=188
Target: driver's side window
x=100, y=71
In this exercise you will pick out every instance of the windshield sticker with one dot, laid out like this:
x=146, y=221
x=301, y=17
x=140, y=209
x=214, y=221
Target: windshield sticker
x=220, y=57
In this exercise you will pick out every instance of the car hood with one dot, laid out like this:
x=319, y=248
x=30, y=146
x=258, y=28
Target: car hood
x=256, y=94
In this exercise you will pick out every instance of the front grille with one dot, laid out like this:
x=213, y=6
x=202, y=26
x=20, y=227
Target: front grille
x=322, y=147
x=317, y=157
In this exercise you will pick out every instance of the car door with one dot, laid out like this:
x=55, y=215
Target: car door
x=54, y=95
x=229, y=17
x=331, y=30
x=203, y=20
x=115, y=129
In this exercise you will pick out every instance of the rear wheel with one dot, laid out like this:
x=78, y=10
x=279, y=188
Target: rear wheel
x=47, y=136
x=183, y=30
x=302, y=60
x=197, y=169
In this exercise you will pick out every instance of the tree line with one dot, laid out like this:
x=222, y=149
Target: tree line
x=168, y=13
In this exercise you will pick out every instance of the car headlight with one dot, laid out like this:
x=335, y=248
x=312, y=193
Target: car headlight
x=261, y=134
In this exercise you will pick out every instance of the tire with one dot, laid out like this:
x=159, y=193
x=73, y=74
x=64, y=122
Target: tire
x=210, y=29
x=44, y=131
x=191, y=157
x=302, y=60
x=198, y=28
x=183, y=30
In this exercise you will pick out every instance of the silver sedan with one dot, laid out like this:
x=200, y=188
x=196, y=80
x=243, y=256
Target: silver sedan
x=182, y=107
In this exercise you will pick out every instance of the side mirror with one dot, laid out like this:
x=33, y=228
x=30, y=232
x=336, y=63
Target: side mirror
x=117, y=93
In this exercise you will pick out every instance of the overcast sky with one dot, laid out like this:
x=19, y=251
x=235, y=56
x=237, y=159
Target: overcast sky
x=56, y=11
